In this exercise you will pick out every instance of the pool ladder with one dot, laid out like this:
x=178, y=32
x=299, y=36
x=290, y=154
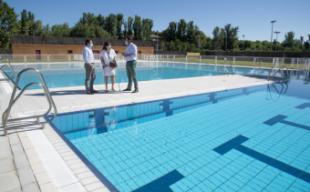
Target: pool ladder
x=15, y=96
x=275, y=70
x=10, y=67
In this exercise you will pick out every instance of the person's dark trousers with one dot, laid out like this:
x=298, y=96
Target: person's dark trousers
x=90, y=76
x=131, y=74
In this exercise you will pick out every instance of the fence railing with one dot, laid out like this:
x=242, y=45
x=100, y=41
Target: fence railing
x=268, y=62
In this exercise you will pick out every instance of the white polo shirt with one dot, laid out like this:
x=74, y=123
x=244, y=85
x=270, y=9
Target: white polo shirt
x=131, y=52
x=88, y=55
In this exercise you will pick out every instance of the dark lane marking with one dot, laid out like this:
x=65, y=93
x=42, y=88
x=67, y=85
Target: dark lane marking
x=303, y=106
x=166, y=107
x=281, y=119
x=236, y=142
x=162, y=183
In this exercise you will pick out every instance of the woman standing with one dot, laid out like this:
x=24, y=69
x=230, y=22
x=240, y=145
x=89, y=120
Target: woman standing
x=107, y=57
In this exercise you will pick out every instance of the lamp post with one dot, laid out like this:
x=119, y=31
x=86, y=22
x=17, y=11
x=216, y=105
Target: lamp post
x=155, y=39
x=225, y=39
x=243, y=42
x=277, y=34
x=272, y=23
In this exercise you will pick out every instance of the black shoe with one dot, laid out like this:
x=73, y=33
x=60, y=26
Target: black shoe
x=94, y=91
x=127, y=89
x=136, y=91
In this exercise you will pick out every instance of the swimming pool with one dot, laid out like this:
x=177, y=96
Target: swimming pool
x=250, y=139
x=65, y=75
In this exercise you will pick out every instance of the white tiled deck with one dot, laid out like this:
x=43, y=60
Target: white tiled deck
x=73, y=98
x=54, y=166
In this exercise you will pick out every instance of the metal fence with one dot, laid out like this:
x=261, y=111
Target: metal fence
x=261, y=62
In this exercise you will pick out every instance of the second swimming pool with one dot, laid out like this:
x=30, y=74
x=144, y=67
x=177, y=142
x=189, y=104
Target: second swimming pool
x=65, y=75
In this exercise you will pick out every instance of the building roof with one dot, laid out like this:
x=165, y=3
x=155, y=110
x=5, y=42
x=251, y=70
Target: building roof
x=68, y=40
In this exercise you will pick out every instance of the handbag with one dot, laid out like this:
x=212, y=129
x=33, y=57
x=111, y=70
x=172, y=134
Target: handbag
x=113, y=64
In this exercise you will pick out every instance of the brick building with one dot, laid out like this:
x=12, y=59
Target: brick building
x=68, y=45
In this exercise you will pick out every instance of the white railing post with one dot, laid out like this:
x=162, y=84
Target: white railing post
x=297, y=64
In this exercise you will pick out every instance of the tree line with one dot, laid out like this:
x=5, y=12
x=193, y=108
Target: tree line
x=179, y=36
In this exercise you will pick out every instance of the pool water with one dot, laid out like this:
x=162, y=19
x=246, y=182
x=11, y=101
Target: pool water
x=61, y=75
x=251, y=139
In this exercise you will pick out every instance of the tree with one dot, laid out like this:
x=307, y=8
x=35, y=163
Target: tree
x=62, y=30
x=200, y=40
x=231, y=36
x=147, y=25
x=170, y=33
x=218, y=38
x=191, y=32
x=289, y=40
x=119, y=24
x=101, y=20
x=38, y=28
x=307, y=43
x=183, y=36
x=27, y=22
x=28, y=25
x=129, y=26
x=111, y=25
x=181, y=30
x=8, y=24
x=89, y=26
x=23, y=24
x=137, y=27
x=46, y=31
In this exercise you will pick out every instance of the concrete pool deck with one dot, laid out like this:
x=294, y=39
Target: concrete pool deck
x=38, y=159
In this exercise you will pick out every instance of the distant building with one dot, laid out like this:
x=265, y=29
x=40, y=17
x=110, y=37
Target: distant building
x=68, y=45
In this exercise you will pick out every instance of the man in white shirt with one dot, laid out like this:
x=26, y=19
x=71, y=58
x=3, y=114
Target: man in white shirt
x=89, y=65
x=131, y=54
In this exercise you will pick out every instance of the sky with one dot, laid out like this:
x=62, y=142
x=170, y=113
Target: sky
x=251, y=16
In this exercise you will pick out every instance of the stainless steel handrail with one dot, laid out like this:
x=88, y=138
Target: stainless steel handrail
x=276, y=68
x=12, y=69
x=14, y=97
x=10, y=66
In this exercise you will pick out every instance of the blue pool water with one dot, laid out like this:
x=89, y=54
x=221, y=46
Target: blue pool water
x=58, y=75
x=251, y=139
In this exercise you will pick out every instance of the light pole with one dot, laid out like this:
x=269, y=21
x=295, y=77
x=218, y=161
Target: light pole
x=225, y=39
x=272, y=23
x=243, y=42
x=156, y=43
x=277, y=34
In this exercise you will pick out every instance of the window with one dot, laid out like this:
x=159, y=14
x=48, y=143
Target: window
x=38, y=54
